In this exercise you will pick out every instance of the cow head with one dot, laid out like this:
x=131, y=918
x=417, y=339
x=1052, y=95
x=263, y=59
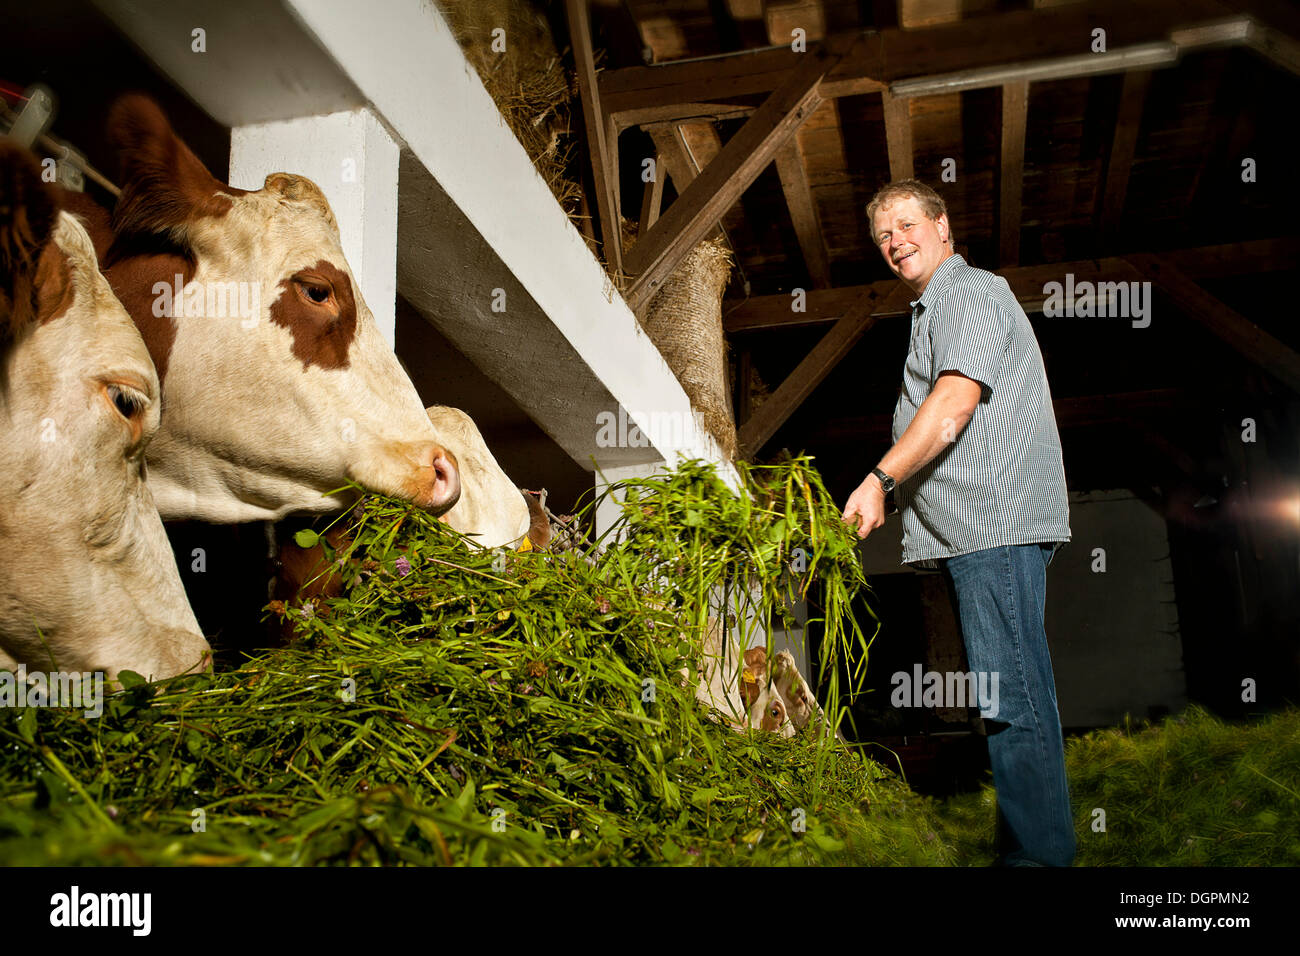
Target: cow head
x=793, y=689
x=87, y=580
x=763, y=703
x=491, y=509
x=277, y=384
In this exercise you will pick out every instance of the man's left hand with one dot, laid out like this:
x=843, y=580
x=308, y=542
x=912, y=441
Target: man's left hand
x=866, y=507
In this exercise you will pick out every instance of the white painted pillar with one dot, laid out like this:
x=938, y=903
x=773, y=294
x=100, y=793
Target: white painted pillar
x=608, y=511
x=354, y=161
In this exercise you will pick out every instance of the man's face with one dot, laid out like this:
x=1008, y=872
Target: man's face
x=913, y=244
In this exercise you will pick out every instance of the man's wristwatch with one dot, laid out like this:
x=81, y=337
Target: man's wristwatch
x=886, y=483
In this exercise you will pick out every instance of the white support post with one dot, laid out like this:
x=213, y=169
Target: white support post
x=354, y=161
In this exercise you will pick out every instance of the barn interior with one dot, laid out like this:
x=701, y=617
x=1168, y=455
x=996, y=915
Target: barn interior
x=1129, y=156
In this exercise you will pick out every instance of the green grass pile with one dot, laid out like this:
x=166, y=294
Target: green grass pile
x=463, y=706
x=1191, y=791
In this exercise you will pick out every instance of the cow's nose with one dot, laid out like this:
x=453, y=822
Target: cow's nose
x=444, y=489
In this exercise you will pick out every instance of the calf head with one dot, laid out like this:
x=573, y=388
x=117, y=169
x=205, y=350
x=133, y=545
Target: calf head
x=491, y=509
x=278, y=386
x=795, y=693
x=87, y=580
x=763, y=703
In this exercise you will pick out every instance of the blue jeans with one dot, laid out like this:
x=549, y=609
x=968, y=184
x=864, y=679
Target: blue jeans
x=1000, y=596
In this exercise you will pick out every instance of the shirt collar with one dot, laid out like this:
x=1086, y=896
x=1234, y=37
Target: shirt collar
x=939, y=282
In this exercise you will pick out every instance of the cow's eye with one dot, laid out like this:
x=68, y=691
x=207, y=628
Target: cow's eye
x=318, y=294
x=128, y=402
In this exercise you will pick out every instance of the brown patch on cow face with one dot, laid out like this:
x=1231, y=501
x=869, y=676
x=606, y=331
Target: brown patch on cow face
x=132, y=281
x=316, y=305
x=754, y=675
x=166, y=187
x=774, y=715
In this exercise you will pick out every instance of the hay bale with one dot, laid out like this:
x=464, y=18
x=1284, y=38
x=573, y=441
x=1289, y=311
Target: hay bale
x=527, y=81
x=684, y=320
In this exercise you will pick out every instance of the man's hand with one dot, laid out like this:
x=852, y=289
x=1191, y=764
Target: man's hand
x=866, y=506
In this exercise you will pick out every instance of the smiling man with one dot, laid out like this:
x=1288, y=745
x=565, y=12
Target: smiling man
x=977, y=471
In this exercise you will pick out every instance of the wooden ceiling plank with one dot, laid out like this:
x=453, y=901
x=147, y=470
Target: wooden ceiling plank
x=892, y=54
x=700, y=207
x=1026, y=282
x=1015, y=112
x=898, y=135
x=1123, y=146
x=1246, y=338
x=1276, y=46
x=803, y=212
x=670, y=142
x=594, y=121
x=652, y=196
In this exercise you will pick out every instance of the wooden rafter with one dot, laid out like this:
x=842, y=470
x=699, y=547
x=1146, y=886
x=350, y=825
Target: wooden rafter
x=898, y=135
x=1026, y=282
x=652, y=196
x=699, y=208
x=604, y=172
x=803, y=211
x=1015, y=112
x=1123, y=145
x=682, y=166
x=1244, y=336
x=892, y=54
x=819, y=363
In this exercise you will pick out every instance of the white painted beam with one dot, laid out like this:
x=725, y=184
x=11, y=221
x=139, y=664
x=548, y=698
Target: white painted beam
x=354, y=161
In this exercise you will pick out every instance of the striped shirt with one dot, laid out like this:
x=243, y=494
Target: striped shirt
x=1002, y=482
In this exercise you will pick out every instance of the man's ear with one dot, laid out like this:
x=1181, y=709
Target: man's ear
x=944, y=230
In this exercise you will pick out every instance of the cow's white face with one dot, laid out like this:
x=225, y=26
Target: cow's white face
x=277, y=384
x=87, y=579
x=491, y=509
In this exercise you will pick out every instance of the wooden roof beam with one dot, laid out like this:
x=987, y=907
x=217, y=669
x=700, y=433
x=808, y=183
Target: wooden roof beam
x=1122, y=148
x=1027, y=282
x=680, y=159
x=819, y=363
x=604, y=172
x=1015, y=112
x=699, y=208
x=803, y=211
x=893, y=55
x=1246, y=338
x=898, y=135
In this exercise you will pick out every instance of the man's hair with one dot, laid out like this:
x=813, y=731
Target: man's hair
x=931, y=203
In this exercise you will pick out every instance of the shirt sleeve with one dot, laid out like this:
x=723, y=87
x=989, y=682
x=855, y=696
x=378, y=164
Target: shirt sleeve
x=972, y=337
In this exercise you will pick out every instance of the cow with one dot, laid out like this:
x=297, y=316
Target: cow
x=87, y=581
x=491, y=512
x=737, y=687
x=277, y=385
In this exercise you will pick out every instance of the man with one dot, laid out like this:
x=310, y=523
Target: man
x=976, y=468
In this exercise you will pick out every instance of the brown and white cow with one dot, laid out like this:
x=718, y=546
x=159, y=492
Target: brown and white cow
x=491, y=512
x=87, y=581
x=738, y=685
x=277, y=385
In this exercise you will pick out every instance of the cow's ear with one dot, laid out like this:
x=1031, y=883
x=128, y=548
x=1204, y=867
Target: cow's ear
x=165, y=188
x=29, y=211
